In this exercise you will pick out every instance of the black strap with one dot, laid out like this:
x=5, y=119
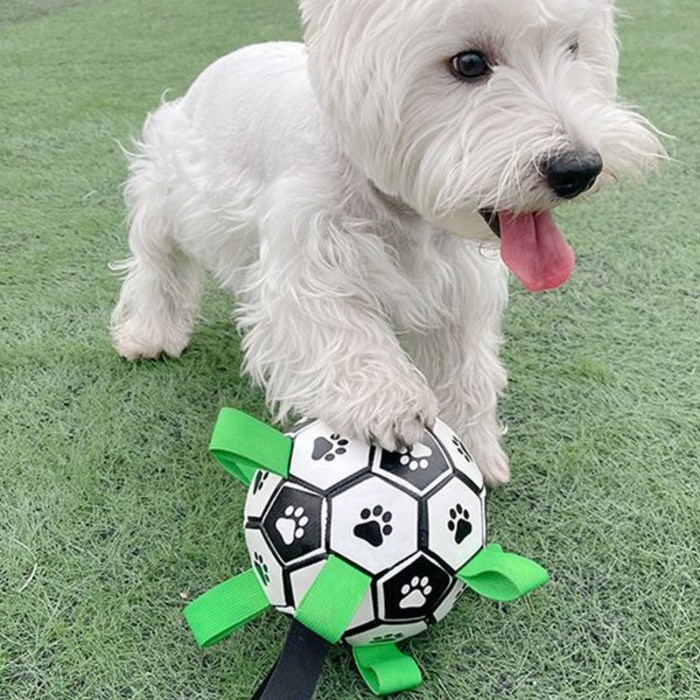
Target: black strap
x=297, y=669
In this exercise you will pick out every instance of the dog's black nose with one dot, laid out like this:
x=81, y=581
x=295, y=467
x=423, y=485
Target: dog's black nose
x=571, y=174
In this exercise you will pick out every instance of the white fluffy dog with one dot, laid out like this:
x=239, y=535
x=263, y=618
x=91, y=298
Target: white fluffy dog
x=353, y=192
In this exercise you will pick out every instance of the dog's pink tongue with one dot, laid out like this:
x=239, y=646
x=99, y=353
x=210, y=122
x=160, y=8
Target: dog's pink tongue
x=535, y=251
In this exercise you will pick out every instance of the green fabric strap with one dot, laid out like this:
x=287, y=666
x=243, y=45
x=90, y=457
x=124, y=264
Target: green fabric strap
x=242, y=444
x=333, y=599
x=500, y=576
x=225, y=608
x=387, y=670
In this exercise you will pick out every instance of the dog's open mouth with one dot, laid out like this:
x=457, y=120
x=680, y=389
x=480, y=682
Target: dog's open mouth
x=533, y=248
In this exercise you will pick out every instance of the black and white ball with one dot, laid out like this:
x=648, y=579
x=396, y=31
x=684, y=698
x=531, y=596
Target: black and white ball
x=410, y=519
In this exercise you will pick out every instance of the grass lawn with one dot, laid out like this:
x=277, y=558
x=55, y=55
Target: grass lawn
x=112, y=515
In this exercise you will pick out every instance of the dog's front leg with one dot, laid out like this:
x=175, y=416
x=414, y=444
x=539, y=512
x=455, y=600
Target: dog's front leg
x=315, y=338
x=463, y=367
x=327, y=358
x=460, y=355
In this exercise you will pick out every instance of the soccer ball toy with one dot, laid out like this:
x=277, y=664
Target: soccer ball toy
x=357, y=544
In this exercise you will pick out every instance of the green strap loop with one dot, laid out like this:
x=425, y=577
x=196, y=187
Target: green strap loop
x=333, y=599
x=500, y=576
x=242, y=444
x=385, y=669
x=225, y=608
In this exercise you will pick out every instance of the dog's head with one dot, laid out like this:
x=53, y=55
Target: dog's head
x=480, y=111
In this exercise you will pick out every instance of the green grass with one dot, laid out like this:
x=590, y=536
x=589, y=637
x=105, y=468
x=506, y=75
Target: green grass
x=112, y=515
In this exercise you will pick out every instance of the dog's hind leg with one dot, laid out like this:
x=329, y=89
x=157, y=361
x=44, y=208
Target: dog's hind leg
x=160, y=293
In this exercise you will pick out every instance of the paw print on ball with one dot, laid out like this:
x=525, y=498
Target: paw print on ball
x=387, y=638
x=417, y=457
x=292, y=526
x=420, y=468
x=261, y=477
x=329, y=449
x=374, y=525
x=461, y=448
x=456, y=528
x=415, y=593
x=322, y=459
x=261, y=568
x=459, y=524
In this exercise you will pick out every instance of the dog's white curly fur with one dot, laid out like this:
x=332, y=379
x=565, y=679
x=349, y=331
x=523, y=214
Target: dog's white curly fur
x=323, y=183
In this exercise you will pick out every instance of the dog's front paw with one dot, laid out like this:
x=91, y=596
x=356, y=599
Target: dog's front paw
x=396, y=432
x=391, y=417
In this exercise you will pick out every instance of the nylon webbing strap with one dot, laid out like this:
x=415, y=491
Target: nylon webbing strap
x=298, y=668
x=502, y=576
x=220, y=611
x=243, y=444
x=333, y=599
x=387, y=670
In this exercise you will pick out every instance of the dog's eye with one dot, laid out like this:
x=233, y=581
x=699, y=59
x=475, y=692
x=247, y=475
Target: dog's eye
x=470, y=66
x=574, y=48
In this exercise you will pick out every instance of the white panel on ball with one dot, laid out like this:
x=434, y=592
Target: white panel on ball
x=386, y=634
x=449, y=602
x=365, y=613
x=261, y=490
x=459, y=453
x=267, y=568
x=374, y=525
x=301, y=579
x=455, y=525
x=324, y=459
